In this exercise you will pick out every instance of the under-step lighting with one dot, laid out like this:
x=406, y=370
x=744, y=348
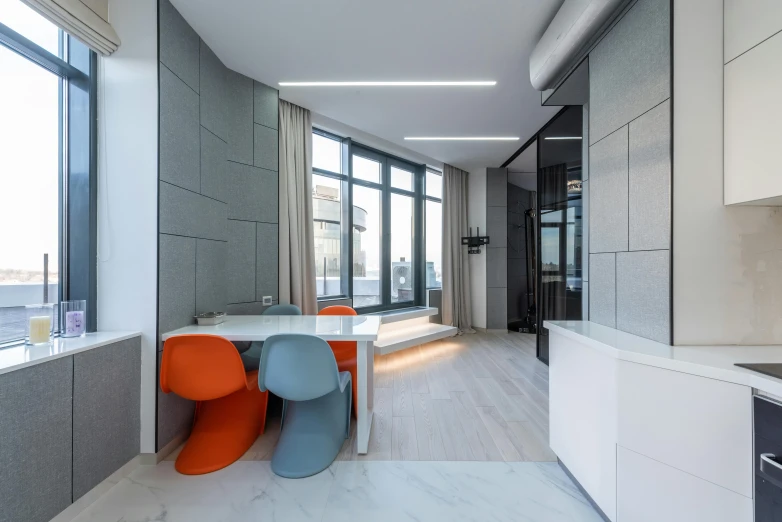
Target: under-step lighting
x=389, y=84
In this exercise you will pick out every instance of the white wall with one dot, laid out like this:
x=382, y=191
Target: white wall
x=127, y=191
x=476, y=217
x=727, y=261
x=370, y=140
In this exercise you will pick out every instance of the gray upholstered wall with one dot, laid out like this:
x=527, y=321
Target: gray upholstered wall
x=496, y=251
x=67, y=425
x=629, y=175
x=218, y=192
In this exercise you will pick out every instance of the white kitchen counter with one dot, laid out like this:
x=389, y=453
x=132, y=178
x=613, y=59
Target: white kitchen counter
x=715, y=362
x=21, y=356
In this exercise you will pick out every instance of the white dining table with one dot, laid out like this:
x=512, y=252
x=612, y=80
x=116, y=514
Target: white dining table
x=362, y=329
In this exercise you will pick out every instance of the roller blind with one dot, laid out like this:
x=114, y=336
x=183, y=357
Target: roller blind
x=87, y=20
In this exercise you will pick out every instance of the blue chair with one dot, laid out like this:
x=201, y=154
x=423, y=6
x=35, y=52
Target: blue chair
x=301, y=369
x=251, y=357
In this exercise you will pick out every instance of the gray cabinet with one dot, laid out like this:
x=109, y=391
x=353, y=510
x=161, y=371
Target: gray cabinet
x=65, y=426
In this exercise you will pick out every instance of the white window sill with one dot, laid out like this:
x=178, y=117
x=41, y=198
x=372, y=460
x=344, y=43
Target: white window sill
x=22, y=356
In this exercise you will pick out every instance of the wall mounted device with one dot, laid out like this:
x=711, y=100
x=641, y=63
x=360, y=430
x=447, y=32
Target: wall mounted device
x=474, y=243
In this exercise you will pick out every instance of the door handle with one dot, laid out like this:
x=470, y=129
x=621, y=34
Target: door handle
x=770, y=466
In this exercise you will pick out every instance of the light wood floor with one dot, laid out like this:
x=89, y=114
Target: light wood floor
x=481, y=397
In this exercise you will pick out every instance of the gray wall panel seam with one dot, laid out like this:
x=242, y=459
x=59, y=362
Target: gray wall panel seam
x=629, y=122
x=193, y=191
x=178, y=77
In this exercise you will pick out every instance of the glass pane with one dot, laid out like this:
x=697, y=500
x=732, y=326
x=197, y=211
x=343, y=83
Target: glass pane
x=327, y=212
x=434, y=241
x=401, y=179
x=326, y=153
x=366, y=247
x=29, y=199
x=401, y=248
x=434, y=184
x=30, y=24
x=366, y=169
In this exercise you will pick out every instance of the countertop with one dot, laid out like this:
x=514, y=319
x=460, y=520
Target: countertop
x=260, y=327
x=715, y=362
x=21, y=356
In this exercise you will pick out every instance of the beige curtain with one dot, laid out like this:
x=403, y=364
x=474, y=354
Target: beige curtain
x=456, y=268
x=87, y=20
x=297, y=244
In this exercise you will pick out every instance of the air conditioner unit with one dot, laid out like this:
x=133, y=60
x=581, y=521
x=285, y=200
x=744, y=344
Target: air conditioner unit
x=402, y=281
x=576, y=22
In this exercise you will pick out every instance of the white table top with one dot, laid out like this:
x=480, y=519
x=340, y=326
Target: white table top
x=21, y=356
x=260, y=327
x=715, y=362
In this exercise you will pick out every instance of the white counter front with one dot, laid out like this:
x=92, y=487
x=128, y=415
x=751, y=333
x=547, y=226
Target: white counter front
x=655, y=432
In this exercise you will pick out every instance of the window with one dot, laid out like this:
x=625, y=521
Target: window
x=368, y=207
x=434, y=229
x=47, y=169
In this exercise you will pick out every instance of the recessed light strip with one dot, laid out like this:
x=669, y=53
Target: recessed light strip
x=563, y=138
x=389, y=84
x=462, y=138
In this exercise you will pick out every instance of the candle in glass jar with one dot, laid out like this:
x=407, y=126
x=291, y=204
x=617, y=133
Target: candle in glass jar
x=74, y=323
x=40, y=329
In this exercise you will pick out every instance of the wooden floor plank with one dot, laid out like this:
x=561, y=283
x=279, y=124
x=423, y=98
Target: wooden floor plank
x=403, y=439
x=380, y=436
x=500, y=432
x=507, y=405
x=402, y=405
x=427, y=429
x=529, y=443
x=481, y=442
x=454, y=439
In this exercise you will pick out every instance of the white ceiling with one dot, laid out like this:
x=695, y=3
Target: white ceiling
x=377, y=40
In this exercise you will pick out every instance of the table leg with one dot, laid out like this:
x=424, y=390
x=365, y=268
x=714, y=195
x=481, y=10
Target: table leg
x=366, y=376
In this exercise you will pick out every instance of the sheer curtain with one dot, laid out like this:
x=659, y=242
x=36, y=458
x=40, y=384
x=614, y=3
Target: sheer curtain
x=297, y=248
x=456, y=268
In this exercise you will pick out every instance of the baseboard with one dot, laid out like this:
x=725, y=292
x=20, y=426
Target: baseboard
x=153, y=459
x=583, y=491
x=86, y=500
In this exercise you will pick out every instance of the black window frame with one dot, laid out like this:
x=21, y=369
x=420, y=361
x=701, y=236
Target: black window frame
x=349, y=148
x=77, y=68
x=434, y=200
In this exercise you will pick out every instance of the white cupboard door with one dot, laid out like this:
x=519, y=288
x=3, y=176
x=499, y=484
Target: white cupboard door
x=649, y=491
x=699, y=425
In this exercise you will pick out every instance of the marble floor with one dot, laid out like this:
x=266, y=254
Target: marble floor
x=374, y=491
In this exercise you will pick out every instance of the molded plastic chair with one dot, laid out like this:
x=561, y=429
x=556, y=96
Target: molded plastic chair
x=231, y=409
x=345, y=351
x=252, y=356
x=316, y=411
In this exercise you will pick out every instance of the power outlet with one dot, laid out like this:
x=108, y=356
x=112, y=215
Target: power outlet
x=267, y=300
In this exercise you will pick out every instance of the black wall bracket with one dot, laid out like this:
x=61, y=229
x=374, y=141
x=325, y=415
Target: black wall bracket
x=474, y=243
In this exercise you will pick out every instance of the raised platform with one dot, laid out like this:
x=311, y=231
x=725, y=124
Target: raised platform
x=409, y=327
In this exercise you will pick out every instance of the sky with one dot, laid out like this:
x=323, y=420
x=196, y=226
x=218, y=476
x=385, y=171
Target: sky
x=29, y=165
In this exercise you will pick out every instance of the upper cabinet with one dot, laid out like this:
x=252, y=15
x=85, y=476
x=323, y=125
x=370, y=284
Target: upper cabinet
x=753, y=102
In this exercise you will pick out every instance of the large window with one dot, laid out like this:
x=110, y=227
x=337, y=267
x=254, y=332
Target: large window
x=46, y=168
x=368, y=207
x=434, y=229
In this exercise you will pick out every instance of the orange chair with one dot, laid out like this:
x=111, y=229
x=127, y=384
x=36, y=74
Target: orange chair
x=345, y=351
x=230, y=409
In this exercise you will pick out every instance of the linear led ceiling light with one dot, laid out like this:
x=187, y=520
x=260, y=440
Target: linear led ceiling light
x=462, y=138
x=563, y=138
x=389, y=84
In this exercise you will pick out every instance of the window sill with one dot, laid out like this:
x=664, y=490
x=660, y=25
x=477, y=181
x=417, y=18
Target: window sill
x=328, y=298
x=21, y=356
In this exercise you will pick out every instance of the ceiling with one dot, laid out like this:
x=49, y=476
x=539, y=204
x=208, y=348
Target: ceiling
x=274, y=41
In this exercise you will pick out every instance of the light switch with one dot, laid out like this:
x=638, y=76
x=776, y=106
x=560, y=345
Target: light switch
x=267, y=300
